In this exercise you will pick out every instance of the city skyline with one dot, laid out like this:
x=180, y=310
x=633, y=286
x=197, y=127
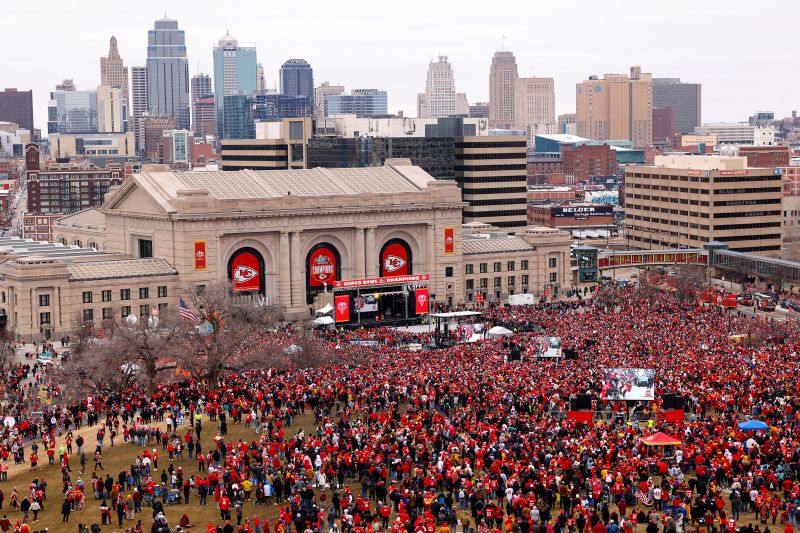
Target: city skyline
x=566, y=56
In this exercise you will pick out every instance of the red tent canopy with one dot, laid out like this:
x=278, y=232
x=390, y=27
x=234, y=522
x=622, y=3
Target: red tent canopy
x=660, y=439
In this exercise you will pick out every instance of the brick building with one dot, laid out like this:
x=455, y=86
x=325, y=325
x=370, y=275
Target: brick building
x=585, y=160
x=765, y=156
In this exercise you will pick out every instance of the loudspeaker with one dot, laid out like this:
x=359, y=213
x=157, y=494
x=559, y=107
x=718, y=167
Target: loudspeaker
x=570, y=353
x=584, y=402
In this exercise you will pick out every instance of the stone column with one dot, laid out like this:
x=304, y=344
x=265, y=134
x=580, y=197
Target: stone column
x=430, y=250
x=371, y=253
x=284, y=272
x=298, y=279
x=359, y=255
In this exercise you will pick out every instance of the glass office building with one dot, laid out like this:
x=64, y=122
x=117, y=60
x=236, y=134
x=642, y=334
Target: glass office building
x=168, y=73
x=234, y=81
x=361, y=102
x=272, y=106
x=72, y=112
x=297, y=79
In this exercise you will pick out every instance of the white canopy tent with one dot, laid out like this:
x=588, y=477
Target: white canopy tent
x=499, y=331
x=323, y=320
x=325, y=310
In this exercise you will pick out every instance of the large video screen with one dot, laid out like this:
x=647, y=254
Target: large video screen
x=545, y=347
x=628, y=384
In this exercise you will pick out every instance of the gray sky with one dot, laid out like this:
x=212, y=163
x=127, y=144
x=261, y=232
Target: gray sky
x=743, y=52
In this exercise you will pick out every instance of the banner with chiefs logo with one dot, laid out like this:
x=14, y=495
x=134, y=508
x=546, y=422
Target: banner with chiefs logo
x=449, y=241
x=395, y=260
x=422, y=301
x=199, y=255
x=321, y=267
x=342, y=308
x=245, y=273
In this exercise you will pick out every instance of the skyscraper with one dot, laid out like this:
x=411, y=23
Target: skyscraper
x=17, y=107
x=326, y=89
x=683, y=98
x=201, y=86
x=114, y=73
x=72, y=111
x=234, y=83
x=297, y=79
x=439, y=98
x=138, y=104
x=535, y=105
x=168, y=72
x=361, y=102
x=112, y=110
x=502, y=88
x=201, y=89
x=261, y=80
x=615, y=108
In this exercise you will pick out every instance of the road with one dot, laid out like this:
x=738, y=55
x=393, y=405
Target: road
x=19, y=203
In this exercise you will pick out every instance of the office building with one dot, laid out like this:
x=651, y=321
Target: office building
x=320, y=93
x=71, y=111
x=138, y=103
x=684, y=100
x=765, y=156
x=360, y=102
x=739, y=133
x=566, y=124
x=440, y=99
x=153, y=129
x=535, y=105
x=168, y=72
x=492, y=174
x=261, y=80
x=63, y=145
x=234, y=82
x=17, y=107
x=201, y=86
x=502, y=89
x=201, y=90
x=205, y=117
x=297, y=79
x=114, y=73
x=273, y=106
x=352, y=126
x=479, y=110
x=686, y=201
x=69, y=188
x=663, y=125
x=584, y=161
x=112, y=110
x=616, y=107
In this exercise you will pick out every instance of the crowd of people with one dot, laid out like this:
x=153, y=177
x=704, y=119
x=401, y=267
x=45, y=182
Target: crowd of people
x=457, y=439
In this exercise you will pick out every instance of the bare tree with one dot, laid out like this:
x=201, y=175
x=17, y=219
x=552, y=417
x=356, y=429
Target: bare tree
x=688, y=280
x=7, y=351
x=308, y=349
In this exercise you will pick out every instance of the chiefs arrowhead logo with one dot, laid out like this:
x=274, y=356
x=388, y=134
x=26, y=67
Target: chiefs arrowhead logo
x=393, y=263
x=243, y=274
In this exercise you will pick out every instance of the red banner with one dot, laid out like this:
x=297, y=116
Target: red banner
x=199, y=255
x=385, y=280
x=449, y=241
x=395, y=260
x=585, y=417
x=245, y=273
x=342, y=308
x=321, y=267
x=422, y=301
x=674, y=417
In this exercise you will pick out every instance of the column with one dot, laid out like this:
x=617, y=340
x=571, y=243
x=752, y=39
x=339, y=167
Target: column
x=430, y=250
x=371, y=253
x=298, y=279
x=284, y=274
x=359, y=266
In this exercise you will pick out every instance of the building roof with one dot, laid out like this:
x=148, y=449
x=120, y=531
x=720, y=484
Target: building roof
x=266, y=184
x=91, y=218
x=498, y=245
x=123, y=268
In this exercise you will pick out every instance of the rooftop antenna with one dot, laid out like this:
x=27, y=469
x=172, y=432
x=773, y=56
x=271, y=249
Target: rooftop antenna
x=503, y=47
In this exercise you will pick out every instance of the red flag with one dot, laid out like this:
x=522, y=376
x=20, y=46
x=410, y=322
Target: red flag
x=674, y=417
x=342, y=308
x=584, y=417
x=422, y=301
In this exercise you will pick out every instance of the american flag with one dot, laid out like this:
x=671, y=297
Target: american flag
x=186, y=313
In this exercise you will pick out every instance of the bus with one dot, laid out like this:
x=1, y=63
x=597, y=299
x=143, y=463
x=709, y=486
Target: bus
x=764, y=302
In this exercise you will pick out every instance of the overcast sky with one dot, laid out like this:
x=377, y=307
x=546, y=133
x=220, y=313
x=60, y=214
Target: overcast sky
x=745, y=53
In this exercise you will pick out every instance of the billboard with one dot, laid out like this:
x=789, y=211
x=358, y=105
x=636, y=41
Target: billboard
x=582, y=211
x=628, y=384
x=245, y=273
x=366, y=304
x=395, y=260
x=545, y=347
x=321, y=267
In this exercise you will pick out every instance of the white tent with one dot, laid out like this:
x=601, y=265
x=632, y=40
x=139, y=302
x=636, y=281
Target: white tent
x=499, y=331
x=325, y=310
x=323, y=320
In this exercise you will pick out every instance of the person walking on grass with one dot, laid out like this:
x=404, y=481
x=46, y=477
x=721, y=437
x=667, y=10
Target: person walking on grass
x=98, y=460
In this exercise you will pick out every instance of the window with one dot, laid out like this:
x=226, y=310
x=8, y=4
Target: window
x=523, y=264
x=524, y=279
x=469, y=269
x=512, y=280
x=498, y=281
x=511, y=266
x=105, y=295
x=484, y=283
x=448, y=272
x=553, y=277
x=44, y=300
x=125, y=294
x=87, y=297
x=144, y=310
x=484, y=268
x=552, y=262
x=162, y=291
x=470, y=284
x=44, y=318
x=88, y=315
x=125, y=311
x=107, y=312
x=145, y=248
x=162, y=307
x=144, y=293
x=498, y=266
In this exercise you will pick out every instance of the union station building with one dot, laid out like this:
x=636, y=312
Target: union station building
x=377, y=244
